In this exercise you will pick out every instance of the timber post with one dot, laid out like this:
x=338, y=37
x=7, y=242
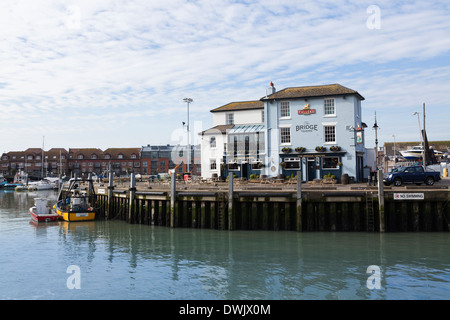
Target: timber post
x=299, y=201
x=381, y=200
x=230, y=202
x=173, y=195
x=110, y=195
x=131, y=200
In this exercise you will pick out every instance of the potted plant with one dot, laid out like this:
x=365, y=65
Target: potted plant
x=320, y=149
x=329, y=178
x=300, y=149
x=335, y=148
x=286, y=150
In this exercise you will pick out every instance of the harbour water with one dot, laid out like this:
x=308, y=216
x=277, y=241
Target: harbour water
x=116, y=260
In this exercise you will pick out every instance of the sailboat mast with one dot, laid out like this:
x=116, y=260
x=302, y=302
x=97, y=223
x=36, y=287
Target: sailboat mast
x=43, y=157
x=425, y=145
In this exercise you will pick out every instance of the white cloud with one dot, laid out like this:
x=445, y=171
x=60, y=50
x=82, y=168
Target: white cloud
x=134, y=61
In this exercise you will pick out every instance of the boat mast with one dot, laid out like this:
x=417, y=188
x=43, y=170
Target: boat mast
x=59, y=171
x=42, y=157
x=424, y=137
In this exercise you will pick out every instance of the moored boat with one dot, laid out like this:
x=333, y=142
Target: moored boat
x=416, y=152
x=40, y=212
x=40, y=185
x=74, y=205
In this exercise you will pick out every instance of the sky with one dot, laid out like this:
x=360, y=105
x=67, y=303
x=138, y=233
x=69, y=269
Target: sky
x=114, y=73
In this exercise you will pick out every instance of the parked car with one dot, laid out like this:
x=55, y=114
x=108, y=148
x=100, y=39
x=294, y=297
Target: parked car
x=413, y=174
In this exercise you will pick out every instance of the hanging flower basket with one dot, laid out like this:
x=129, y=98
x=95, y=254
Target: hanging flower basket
x=286, y=150
x=335, y=148
x=321, y=149
x=300, y=149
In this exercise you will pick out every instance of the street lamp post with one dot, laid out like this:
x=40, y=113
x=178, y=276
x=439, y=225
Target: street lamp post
x=188, y=151
x=376, y=127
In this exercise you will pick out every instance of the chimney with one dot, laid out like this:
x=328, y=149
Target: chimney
x=271, y=89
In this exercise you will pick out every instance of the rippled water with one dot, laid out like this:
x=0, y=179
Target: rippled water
x=117, y=260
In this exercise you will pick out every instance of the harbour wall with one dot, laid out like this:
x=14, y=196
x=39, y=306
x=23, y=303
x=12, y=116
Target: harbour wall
x=319, y=208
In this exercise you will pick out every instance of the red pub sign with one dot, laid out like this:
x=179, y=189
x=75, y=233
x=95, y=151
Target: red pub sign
x=307, y=110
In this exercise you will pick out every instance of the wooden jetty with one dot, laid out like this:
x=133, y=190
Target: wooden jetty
x=286, y=206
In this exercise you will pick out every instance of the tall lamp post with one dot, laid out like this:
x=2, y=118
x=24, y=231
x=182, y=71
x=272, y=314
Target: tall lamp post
x=188, y=151
x=376, y=127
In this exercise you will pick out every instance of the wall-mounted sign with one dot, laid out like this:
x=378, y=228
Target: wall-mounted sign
x=306, y=127
x=409, y=196
x=359, y=137
x=307, y=110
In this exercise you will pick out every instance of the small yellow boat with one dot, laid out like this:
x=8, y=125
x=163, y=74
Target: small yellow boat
x=74, y=206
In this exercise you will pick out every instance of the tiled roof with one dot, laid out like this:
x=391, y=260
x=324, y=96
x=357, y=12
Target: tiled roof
x=242, y=105
x=126, y=152
x=220, y=128
x=85, y=151
x=312, y=91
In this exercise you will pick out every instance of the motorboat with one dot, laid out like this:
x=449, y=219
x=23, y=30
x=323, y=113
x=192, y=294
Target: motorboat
x=73, y=204
x=41, y=212
x=20, y=179
x=416, y=152
x=40, y=185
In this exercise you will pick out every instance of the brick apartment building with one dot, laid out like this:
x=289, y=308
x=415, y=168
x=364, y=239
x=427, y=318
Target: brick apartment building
x=38, y=163
x=122, y=161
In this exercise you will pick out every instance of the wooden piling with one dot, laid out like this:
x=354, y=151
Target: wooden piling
x=110, y=204
x=381, y=201
x=296, y=210
x=230, y=203
x=299, y=226
x=173, y=195
x=131, y=204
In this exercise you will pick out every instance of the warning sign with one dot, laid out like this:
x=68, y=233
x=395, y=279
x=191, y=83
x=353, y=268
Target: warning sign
x=409, y=196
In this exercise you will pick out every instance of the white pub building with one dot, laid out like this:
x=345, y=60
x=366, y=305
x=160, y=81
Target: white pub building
x=317, y=130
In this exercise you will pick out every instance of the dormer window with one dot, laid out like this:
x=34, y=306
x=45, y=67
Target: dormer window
x=120, y=156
